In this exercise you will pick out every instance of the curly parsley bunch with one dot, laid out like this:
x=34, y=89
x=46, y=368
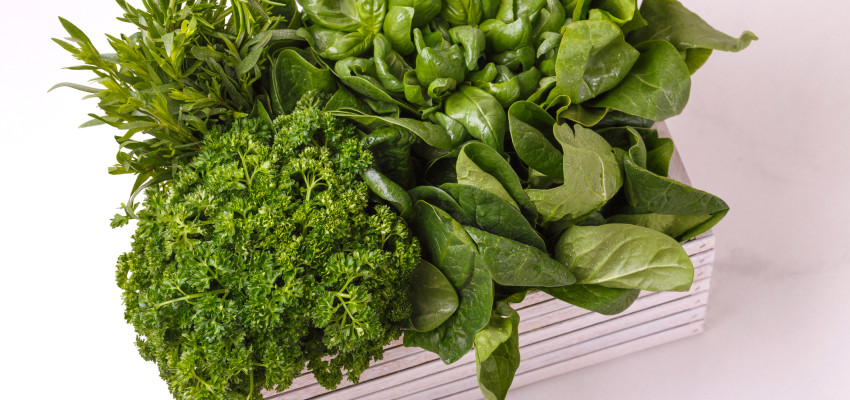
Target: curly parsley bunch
x=264, y=255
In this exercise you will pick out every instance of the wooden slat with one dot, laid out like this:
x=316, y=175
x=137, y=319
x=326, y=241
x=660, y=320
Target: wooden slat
x=398, y=357
x=596, y=357
x=423, y=376
x=557, y=348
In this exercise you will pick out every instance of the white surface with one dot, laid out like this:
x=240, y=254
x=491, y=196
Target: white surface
x=766, y=129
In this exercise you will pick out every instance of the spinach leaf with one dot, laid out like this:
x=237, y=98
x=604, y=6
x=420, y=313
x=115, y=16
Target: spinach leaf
x=433, y=63
x=532, y=137
x=656, y=88
x=293, y=76
x=480, y=113
x=593, y=58
x=551, y=18
x=388, y=190
x=497, y=352
x=488, y=212
x=391, y=148
x=454, y=338
x=516, y=264
x=389, y=65
x=473, y=42
x=332, y=14
x=669, y=20
x=455, y=129
x=624, y=256
x=424, y=10
x=581, y=114
x=506, y=93
x=344, y=99
x=592, y=176
x=445, y=243
x=398, y=25
x=480, y=161
x=502, y=37
x=371, y=14
x=675, y=226
x=461, y=12
x=601, y=299
x=433, y=135
x=432, y=296
x=336, y=45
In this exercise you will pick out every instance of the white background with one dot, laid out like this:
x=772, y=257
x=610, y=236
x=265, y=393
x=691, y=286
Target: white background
x=767, y=129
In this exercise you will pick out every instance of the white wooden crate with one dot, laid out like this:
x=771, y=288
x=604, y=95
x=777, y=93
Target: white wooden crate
x=554, y=338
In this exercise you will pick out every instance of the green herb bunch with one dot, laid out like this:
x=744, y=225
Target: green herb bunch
x=191, y=65
x=262, y=256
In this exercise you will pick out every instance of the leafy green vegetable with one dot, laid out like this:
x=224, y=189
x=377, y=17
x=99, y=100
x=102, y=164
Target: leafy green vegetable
x=601, y=299
x=432, y=296
x=657, y=87
x=189, y=66
x=624, y=256
x=515, y=264
x=497, y=352
x=669, y=20
x=262, y=256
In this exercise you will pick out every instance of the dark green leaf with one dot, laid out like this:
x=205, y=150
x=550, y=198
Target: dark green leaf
x=433, y=297
x=601, y=299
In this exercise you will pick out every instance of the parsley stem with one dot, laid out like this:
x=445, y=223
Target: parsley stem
x=191, y=296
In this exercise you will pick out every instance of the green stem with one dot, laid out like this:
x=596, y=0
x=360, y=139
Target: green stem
x=191, y=296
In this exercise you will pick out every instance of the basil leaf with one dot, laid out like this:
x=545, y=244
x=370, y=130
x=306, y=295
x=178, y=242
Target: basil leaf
x=433, y=63
x=624, y=256
x=371, y=14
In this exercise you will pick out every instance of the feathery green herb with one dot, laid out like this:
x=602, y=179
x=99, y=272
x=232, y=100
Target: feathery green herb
x=263, y=256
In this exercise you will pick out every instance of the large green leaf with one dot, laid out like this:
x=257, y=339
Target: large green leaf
x=339, y=15
x=432, y=296
x=656, y=88
x=480, y=113
x=502, y=37
x=371, y=14
x=424, y=10
x=497, y=352
x=592, y=176
x=669, y=20
x=462, y=12
x=445, y=243
x=488, y=212
x=293, y=76
x=533, y=140
x=482, y=166
x=388, y=190
x=516, y=264
x=454, y=338
x=398, y=25
x=593, y=58
x=601, y=299
x=391, y=148
x=432, y=134
x=625, y=256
